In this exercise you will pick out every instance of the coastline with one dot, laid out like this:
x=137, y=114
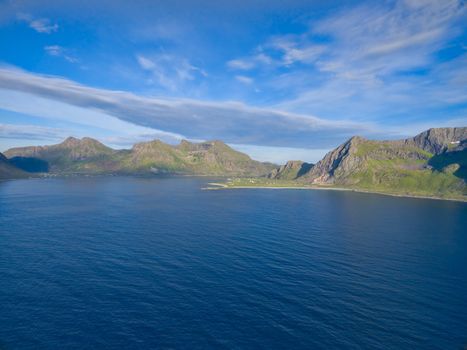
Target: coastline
x=221, y=186
x=213, y=186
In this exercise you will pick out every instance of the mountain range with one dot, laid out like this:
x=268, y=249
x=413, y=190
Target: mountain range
x=89, y=156
x=433, y=163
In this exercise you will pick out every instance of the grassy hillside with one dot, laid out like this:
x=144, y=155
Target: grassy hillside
x=292, y=170
x=433, y=163
x=88, y=156
x=401, y=169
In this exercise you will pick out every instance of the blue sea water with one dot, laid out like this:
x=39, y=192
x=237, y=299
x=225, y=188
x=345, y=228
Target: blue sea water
x=158, y=263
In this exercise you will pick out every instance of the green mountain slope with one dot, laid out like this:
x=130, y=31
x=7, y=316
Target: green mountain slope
x=290, y=171
x=88, y=156
x=432, y=164
x=206, y=158
x=71, y=156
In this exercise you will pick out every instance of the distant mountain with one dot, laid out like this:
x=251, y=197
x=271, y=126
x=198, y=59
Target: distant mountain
x=206, y=158
x=433, y=163
x=71, y=156
x=8, y=170
x=292, y=170
x=89, y=156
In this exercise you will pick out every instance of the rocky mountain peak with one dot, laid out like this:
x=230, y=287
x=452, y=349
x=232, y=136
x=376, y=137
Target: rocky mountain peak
x=71, y=142
x=290, y=170
x=439, y=140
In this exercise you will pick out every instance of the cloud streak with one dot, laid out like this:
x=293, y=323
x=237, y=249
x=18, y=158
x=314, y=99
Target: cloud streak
x=59, y=51
x=169, y=71
x=378, y=62
x=40, y=25
x=232, y=122
x=31, y=132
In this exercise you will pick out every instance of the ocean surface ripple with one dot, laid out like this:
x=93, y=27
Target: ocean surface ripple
x=158, y=263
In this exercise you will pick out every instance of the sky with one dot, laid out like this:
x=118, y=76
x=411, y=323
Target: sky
x=278, y=80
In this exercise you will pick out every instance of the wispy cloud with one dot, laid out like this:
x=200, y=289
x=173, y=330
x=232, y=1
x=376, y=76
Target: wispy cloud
x=293, y=49
x=231, y=121
x=169, y=71
x=279, y=51
x=59, y=51
x=40, y=25
x=244, y=79
x=378, y=61
x=259, y=59
x=31, y=132
x=243, y=64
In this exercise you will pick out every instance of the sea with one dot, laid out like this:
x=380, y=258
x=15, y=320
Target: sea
x=161, y=263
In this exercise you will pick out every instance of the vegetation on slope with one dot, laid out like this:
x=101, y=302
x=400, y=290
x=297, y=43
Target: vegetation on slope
x=292, y=170
x=433, y=163
x=88, y=156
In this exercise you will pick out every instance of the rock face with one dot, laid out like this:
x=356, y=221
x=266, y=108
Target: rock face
x=291, y=170
x=433, y=163
x=358, y=157
x=8, y=170
x=336, y=163
x=440, y=140
x=90, y=156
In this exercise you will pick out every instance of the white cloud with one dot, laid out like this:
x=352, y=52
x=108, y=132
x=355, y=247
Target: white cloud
x=40, y=25
x=368, y=66
x=145, y=63
x=54, y=110
x=43, y=25
x=287, y=50
x=169, y=71
x=232, y=122
x=240, y=64
x=294, y=48
x=244, y=80
x=31, y=132
x=59, y=51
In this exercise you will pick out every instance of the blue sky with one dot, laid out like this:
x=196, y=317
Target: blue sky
x=276, y=79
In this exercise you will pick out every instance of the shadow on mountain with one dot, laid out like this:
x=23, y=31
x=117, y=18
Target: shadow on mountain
x=456, y=162
x=304, y=169
x=30, y=164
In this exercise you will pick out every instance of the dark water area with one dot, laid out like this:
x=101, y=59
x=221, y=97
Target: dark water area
x=153, y=263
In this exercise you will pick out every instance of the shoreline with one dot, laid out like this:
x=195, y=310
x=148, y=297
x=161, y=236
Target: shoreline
x=213, y=186
x=227, y=187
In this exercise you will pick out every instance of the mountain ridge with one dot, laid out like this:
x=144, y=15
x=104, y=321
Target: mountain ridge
x=432, y=163
x=89, y=156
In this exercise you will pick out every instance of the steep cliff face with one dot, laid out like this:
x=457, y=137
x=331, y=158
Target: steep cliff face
x=337, y=163
x=432, y=163
x=439, y=140
x=359, y=159
x=291, y=170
